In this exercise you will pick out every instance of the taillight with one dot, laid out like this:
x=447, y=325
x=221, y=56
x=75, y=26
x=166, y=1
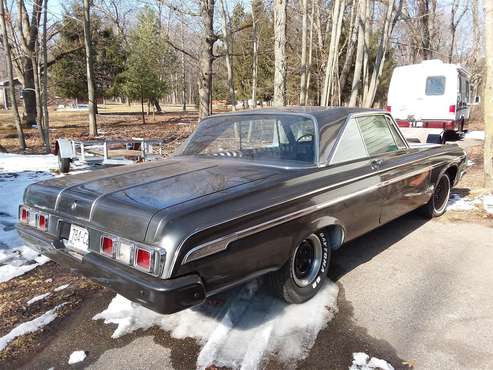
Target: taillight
x=389, y=108
x=42, y=222
x=24, y=215
x=107, y=245
x=143, y=259
x=451, y=109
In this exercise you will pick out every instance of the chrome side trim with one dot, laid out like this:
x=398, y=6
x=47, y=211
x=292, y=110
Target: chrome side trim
x=221, y=244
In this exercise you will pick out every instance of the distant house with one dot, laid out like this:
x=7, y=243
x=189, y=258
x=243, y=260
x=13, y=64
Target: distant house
x=5, y=102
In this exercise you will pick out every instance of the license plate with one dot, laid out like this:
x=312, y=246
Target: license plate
x=78, y=238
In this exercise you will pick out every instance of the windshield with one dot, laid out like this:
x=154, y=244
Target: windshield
x=259, y=137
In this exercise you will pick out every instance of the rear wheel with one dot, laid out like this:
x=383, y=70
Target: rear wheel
x=438, y=202
x=305, y=272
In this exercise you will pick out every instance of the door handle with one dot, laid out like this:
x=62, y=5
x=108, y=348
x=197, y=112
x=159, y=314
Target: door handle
x=376, y=164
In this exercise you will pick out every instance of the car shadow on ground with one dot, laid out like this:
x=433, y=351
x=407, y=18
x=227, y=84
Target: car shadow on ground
x=363, y=249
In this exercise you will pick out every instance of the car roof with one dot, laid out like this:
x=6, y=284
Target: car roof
x=324, y=115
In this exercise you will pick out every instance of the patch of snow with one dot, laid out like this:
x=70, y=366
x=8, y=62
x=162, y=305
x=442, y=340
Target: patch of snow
x=16, y=172
x=250, y=325
x=475, y=135
x=360, y=362
x=29, y=326
x=61, y=287
x=76, y=357
x=457, y=203
x=470, y=163
x=488, y=203
x=50, y=280
x=38, y=298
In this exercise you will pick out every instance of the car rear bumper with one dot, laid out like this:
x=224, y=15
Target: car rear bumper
x=163, y=296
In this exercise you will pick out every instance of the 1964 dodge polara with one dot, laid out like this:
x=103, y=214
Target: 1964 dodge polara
x=252, y=193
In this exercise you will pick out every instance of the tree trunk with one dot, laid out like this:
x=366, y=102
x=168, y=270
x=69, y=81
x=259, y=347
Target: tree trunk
x=142, y=109
x=46, y=119
x=254, y=56
x=488, y=97
x=10, y=69
x=358, y=67
x=280, y=9
x=353, y=39
x=206, y=58
x=366, y=51
x=337, y=12
x=304, y=33
x=380, y=57
x=229, y=61
x=183, y=71
x=91, y=88
x=310, y=55
x=424, y=16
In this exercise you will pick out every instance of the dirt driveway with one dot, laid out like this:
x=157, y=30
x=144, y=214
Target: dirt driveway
x=414, y=293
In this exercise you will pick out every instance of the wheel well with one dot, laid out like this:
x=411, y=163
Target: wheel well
x=452, y=173
x=335, y=235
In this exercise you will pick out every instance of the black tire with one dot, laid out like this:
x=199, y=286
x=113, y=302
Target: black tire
x=293, y=282
x=63, y=164
x=438, y=202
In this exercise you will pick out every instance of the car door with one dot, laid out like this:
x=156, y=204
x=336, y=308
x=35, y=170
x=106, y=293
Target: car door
x=360, y=209
x=405, y=179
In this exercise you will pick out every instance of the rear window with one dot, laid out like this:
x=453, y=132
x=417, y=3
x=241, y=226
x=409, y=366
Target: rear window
x=435, y=85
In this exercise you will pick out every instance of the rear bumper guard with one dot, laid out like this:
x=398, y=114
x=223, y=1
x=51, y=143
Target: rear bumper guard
x=163, y=296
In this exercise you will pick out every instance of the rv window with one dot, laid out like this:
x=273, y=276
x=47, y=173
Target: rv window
x=435, y=85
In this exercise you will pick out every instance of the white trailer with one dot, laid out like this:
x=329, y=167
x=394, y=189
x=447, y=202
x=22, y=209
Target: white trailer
x=431, y=100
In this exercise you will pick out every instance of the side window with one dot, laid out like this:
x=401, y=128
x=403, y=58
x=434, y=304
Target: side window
x=435, y=85
x=377, y=135
x=350, y=145
x=398, y=139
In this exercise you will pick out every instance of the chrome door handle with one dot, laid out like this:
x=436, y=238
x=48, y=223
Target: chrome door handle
x=376, y=164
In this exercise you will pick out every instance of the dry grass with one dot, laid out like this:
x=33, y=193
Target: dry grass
x=114, y=121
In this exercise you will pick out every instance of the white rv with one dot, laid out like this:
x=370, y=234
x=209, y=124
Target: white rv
x=431, y=95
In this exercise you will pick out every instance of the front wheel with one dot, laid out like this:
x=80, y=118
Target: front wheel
x=437, y=205
x=305, y=272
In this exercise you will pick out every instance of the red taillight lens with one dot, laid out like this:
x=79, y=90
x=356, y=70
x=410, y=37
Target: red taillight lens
x=24, y=215
x=389, y=108
x=42, y=223
x=143, y=259
x=451, y=109
x=107, y=245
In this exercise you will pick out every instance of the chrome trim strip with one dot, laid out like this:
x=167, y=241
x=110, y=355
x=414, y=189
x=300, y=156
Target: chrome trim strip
x=221, y=244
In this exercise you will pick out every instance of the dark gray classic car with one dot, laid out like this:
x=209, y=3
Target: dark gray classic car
x=252, y=193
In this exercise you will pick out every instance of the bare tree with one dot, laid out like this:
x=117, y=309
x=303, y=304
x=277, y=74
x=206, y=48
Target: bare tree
x=332, y=60
x=352, y=40
x=10, y=69
x=388, y=25
x=488, y=96
x=310, y=55
x=46, y=119
x=228, y=45
x=304, y=35
x=206, y=57
x=91, y=86
x=280, y=95
x=455, y=17
x=255, y=55
x=360, y=49
x=183, y=70
x=28, y=35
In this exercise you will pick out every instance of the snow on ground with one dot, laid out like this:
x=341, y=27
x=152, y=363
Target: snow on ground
x=61, y=287
x=38, y=298
x=475, y=135
x=76, y=357
x=361, y=361
x=239, y=333
x=460, y=204
x=16, y=172
x=29, y=326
